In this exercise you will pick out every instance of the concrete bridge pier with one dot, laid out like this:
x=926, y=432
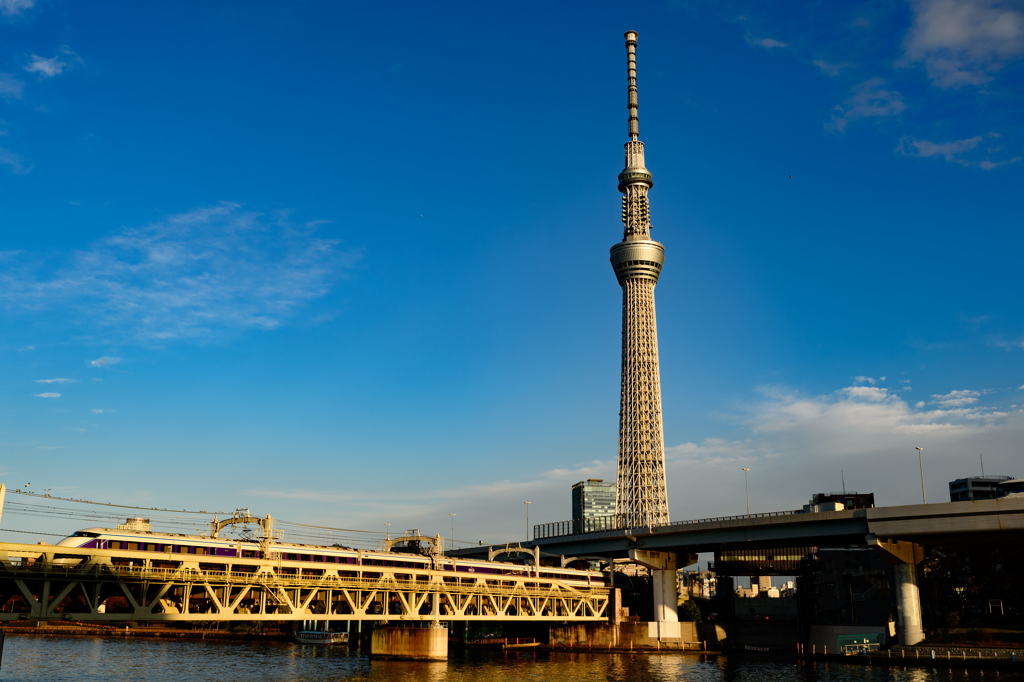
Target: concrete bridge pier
x=663, y=567
x=905, y=556
x=416, y=644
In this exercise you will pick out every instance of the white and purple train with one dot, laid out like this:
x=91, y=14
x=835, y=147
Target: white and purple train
x=172, y=547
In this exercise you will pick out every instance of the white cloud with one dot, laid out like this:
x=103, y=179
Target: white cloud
x=105, y=361
x=954, y=151
x=830, y=69
x=868, y=100
x=963, y=42
x=48, y=68
x=197, y=274
x=46, y=395
x=864, y=380
x=11, y=87
x=795, y=445
x=97, y=411
x=15, y=161
x=767, y=43
x=14, y=7
x=59, y=380
x=957, y=398
x=867, y=393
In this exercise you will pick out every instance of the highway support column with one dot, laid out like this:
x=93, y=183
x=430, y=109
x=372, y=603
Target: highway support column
x=905, y=556
x=663, y=567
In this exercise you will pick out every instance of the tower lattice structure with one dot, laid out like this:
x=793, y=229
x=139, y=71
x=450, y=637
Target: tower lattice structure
x=640, y=491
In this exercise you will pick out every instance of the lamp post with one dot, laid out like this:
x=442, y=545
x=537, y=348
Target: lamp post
x=527, y=521
x=453, y=531
x=387, y=534
x=746, y=487
x=920, y=463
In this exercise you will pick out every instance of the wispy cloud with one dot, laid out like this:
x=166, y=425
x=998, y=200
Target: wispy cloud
x=767, y=43
x=17, y=162
x=59, y=380
x=190, y=275
x=48, y=68
x=830, y=69
x=105, y=361
x=10, y=8
x=957, y=398
x=867, y=100
x=46, y=395
x=955, y=151
x=96, y=411
x=11, y=87
x=865, y=380
x=964, y=42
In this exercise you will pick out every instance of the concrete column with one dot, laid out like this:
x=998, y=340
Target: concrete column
x=666, y=597
x=908, y=604
x=664, y=566
x=905, y=556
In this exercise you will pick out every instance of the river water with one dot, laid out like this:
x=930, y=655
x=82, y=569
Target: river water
x=79, y=658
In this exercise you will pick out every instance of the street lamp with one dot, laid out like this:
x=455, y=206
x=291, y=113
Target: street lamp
x=746, y=486
x=453, y=531
x=920, y=463
x=388, y=533
x=527, y=521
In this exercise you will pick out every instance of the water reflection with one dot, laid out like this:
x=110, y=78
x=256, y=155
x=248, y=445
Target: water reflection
x=74, y=659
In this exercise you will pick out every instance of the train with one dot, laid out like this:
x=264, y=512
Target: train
x=176, y=547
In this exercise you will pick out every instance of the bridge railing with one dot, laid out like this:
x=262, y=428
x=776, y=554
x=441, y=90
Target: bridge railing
x=600, y=524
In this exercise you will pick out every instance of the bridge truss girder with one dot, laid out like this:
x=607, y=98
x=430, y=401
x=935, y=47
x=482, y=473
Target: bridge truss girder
x=56, y=591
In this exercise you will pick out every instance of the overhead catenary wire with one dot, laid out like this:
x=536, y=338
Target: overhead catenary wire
x=170, y=520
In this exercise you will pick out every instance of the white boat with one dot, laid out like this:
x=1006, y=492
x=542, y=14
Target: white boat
x=320, y=637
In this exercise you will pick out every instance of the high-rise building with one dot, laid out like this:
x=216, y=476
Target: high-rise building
x=849, y=500
x=637, y=261
x=975, y=488
x=593, y=498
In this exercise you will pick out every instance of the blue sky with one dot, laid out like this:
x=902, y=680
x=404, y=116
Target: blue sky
x=349, y=265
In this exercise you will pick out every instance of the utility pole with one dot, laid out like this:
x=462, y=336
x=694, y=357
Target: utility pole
x=920, y=463
x=746, y=486
x=527, y=521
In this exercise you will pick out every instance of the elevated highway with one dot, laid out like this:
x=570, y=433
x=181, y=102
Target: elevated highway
x=925, y=524
x=900, y=534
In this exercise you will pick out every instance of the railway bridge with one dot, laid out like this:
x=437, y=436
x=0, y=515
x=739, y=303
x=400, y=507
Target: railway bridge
x=86, y=584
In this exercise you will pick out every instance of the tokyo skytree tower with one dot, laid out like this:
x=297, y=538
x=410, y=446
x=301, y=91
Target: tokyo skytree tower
x=637, y=260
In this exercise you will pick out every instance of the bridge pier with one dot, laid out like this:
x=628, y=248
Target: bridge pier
x=905, y=556
x=417, y=644
x=663, y=567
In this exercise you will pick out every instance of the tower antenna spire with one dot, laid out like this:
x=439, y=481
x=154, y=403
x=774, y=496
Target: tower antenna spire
x=634, y=121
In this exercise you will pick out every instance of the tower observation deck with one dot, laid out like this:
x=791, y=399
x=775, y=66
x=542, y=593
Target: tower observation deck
x=637, y=260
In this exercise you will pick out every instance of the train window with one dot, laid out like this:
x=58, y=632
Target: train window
x=150, y=547
x=85, y=534
x=200, y=550
x=304, y=557
x=318, y=557
x=249, y=553
x=115, y=544
x=132, y=545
